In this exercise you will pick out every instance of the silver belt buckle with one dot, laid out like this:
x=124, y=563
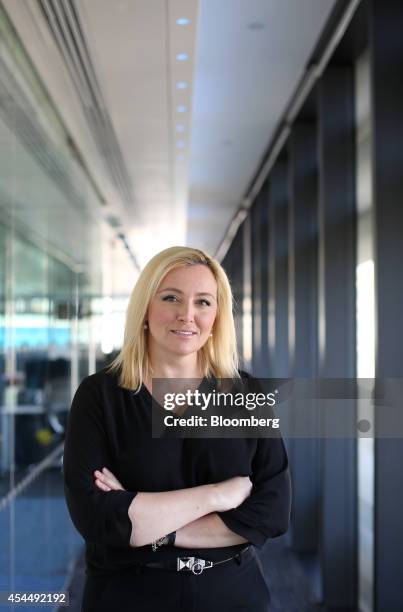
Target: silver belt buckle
x=192, y=564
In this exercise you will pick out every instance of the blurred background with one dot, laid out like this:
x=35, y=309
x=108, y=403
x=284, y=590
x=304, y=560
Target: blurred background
x=267, y=132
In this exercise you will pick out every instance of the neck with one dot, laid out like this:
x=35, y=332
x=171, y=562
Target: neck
x=186, y=366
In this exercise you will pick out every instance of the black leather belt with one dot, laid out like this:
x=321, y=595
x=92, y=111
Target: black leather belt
x=192, y=564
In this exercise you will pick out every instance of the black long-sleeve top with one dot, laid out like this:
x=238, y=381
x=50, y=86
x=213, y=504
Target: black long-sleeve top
x=110, y=426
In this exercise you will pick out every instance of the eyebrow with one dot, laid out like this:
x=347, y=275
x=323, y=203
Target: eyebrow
x=179, y=291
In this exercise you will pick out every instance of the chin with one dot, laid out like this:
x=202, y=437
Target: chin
x=185, y=350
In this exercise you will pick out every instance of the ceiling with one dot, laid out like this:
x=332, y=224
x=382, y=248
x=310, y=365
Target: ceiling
x=168, y=107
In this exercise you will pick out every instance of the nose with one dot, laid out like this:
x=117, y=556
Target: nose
x=186, y=312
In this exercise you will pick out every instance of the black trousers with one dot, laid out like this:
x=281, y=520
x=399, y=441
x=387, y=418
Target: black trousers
x=235, y=585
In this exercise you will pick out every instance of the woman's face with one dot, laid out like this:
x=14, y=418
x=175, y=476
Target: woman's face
x=182, y=313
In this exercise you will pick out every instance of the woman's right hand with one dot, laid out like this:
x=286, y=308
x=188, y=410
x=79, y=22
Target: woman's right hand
x=232, y=492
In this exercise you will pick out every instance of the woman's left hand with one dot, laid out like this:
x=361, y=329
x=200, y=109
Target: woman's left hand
x=107, y=481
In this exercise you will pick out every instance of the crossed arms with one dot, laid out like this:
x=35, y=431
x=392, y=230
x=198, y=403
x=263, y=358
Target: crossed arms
x=191, y=512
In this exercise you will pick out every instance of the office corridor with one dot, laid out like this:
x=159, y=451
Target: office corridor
x=267, y=134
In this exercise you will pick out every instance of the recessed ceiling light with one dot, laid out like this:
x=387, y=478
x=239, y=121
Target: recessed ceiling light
x=183, y=21
x=256, y=25
x=180, y=144
x=181, y=85
x=180, y=127
x=181, y=108
x=182, y=57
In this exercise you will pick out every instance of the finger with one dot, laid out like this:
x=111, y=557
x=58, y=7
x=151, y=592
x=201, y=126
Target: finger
x=99, y=474
x=111, y=477
x=111, y=481
x=106, y=481
x=103, y=475
x=104, y=472
x=102, y=485
x=109, y=474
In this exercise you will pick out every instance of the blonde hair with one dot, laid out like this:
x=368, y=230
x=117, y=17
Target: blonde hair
x=218, y=357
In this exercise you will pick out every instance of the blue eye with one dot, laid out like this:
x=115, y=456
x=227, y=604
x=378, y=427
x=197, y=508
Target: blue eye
x=173, y=298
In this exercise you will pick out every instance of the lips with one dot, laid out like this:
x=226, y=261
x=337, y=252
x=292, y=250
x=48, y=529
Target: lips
x=185, y=333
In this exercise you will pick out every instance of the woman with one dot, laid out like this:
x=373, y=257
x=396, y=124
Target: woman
x=171, y=523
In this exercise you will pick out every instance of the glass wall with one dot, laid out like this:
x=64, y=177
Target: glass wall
x=37, y=318
x=51, y=252
x=365, y=333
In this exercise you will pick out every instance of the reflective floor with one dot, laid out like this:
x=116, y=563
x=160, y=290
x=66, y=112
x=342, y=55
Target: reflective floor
x=37, y=539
